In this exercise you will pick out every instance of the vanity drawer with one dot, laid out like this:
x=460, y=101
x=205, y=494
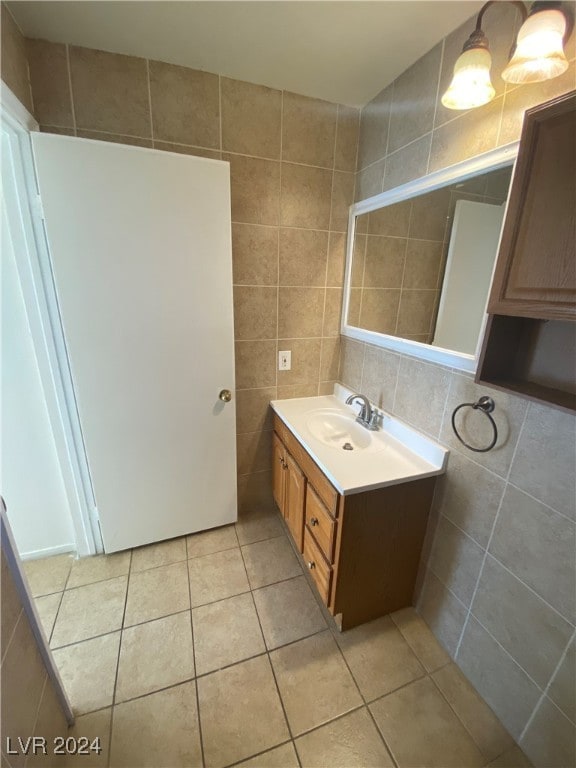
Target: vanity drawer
x=321, y=524
x=322, y=486
x=319, y=569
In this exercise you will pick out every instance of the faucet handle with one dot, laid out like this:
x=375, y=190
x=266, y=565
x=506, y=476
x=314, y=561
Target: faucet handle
x=374, y=422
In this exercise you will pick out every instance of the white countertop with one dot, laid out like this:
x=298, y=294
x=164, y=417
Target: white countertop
x=396, y=453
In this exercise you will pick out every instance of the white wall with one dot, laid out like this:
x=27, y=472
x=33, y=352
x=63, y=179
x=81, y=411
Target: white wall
x=30, y=477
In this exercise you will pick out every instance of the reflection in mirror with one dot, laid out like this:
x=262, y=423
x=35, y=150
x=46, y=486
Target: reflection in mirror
x=421, y=268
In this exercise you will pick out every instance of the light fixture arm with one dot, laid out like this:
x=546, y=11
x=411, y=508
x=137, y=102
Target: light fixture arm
x=478, y=39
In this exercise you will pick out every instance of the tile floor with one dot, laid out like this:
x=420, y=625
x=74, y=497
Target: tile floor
x=211, y=650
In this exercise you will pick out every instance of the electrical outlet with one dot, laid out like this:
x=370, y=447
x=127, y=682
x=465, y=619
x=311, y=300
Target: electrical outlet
x=284, y=360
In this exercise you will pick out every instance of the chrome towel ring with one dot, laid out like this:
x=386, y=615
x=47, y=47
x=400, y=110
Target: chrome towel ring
x=486, y=405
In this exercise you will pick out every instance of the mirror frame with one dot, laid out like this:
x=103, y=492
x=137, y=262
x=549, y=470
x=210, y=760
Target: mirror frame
x=488, y=161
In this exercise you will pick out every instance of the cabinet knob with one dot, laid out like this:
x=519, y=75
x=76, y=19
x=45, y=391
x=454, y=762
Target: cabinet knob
x=313, y=521
x=311, y=565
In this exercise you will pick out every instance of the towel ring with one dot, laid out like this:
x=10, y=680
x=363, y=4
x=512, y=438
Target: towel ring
x=486, y=405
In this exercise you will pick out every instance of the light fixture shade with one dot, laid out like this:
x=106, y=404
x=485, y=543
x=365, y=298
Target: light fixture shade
x=539, y=53
x=471, y=86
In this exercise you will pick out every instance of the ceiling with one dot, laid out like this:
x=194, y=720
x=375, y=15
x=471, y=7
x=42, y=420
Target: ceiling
x=344, y=51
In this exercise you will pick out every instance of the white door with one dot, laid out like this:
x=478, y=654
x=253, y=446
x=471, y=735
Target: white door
x=469, y=266
x=141, y=253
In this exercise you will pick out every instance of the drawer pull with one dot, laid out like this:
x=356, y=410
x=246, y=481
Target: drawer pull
x=311, y=564
x=313, y=521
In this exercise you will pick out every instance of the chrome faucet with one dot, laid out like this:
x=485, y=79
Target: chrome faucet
x=367, y=415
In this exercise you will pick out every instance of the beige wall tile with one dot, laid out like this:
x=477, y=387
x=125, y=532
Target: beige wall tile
x=354, y=303
x=351, y=363
x=358, y=260
x=416, y=312
x=470, y=510
x=537, y=545
x=183, y=149
x=305, y=197
x=255, y=189
x=374, y=120
x=336, y=259
x=421, y=395
x=379, y=377
x=303, y=256
x=50, y=82
x=253, y=412
x=423, y=259
x=305, y=362
x=185, y=105
x=476, y=716
x=562, y=690
x=140, y=727
x=115, y=138
x=414, y=100
x=507, y=690
x=254, y=500
x=332, y=312
x=456, y=560
x=254, y=254
x=369, y=181
x=408, y=163
x=14, y=63
x=429, y=212
x=512, y=758
x=255, y=364
x=308, y=130
x=110, y=92
x=549, y=476
x=391, y=221
x=421, y=729
x=353, y=741
x=251, y=117
x=254, y=452
x=347, y=138
x=326, y=387
x=240, y=712
x=57, y=130
x=532, y=632
x=385, y=257
x=443, y=612
x=342, y=199
x=255, y=312
x=314, y=682
x=300, y=312
x=330, y=360
x=379, y=309
x=551, y=738
x=290, y=391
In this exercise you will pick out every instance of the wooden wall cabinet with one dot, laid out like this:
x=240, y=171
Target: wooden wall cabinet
x=529, y=346
x=362, y=550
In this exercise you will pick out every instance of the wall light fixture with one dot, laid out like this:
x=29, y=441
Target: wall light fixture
x=537, y=54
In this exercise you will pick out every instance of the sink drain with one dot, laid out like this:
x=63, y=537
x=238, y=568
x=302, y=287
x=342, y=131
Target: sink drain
x=347, y=447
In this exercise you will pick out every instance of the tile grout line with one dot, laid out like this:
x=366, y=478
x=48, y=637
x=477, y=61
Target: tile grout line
x=199, y=719
x=72, y=106
x=278, y=228
x=148, y=83
x=441, y=65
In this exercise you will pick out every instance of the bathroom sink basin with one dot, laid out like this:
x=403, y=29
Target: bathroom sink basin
x=339, y=430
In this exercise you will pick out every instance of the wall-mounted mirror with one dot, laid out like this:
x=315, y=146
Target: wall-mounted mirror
x=421, y=257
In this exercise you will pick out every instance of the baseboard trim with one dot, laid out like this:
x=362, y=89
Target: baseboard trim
x=36, y=554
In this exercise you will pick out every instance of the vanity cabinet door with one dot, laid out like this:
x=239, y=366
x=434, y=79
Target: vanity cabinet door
x=295, y=495
x=536, y=269
x=320, y=523
x=278, y=472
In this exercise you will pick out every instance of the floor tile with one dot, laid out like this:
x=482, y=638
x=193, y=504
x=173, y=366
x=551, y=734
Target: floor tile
x=163, y=553
x=512, y=758
x=157, y=731
x=481, y=723
x=270, y=561
x=87, y=570
x=314, y=682
x=257, y=525
x=419, y=637
x=155, y=655
x=420, y=729
x=379, y=657
x=48, y=575
x=351, y=741
x=288, y=611
x=207, y=542
x=95, y=609
x=214, y=577
x=226, y=632
x=280, y=757
x=157, y=592
x=95, y=725
x=88, y=671
x=240, y=712
x=47, y=608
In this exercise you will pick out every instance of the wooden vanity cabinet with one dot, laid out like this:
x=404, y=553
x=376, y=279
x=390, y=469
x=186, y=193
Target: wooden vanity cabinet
x=362, y=550
x=529, y=344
